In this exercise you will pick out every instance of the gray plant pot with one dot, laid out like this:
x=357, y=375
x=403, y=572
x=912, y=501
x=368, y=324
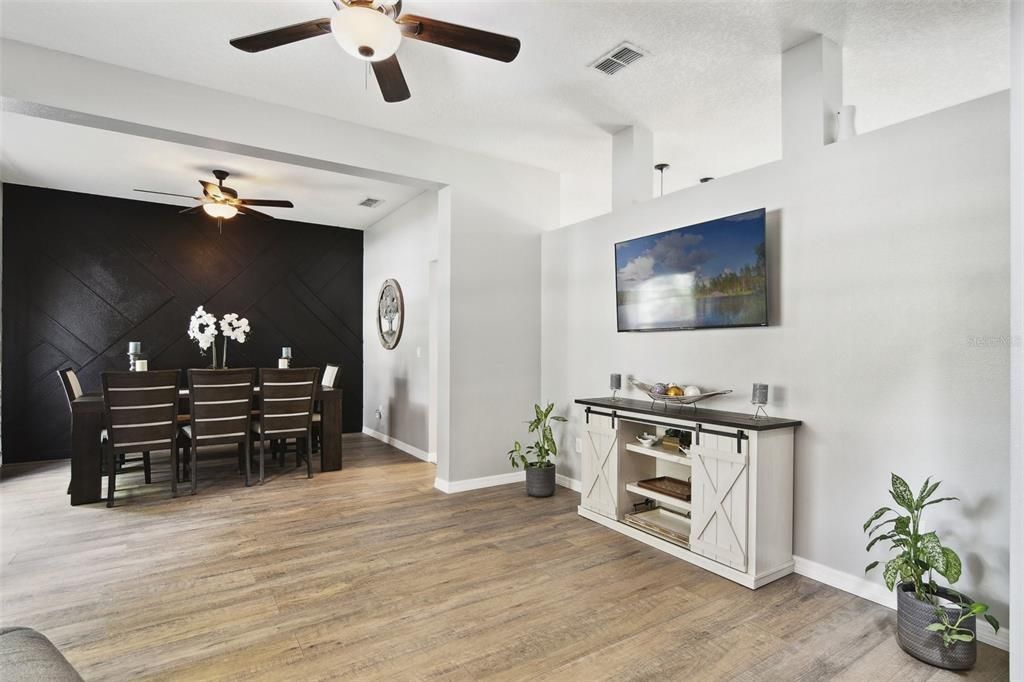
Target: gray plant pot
x=913, y=616
x=540, y=481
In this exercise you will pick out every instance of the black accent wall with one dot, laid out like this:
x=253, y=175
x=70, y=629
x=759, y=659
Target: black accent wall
x=83, y=275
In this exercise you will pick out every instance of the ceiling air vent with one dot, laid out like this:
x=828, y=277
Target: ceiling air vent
x=370, y=202
x=618, y=59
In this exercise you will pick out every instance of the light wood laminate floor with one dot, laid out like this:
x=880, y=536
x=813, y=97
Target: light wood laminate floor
x=370, y=573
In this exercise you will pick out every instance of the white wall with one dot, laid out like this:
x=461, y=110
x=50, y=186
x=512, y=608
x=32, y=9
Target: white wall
x=1017, y=331
x=888, y=254
x=400, y=247
x=491, y=215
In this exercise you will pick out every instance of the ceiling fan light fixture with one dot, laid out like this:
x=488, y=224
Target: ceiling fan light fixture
x=216, y=210
x=366, y=33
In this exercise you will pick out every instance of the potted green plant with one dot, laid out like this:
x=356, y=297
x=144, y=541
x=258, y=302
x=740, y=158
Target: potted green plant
x=935, y=624
x=540, y=472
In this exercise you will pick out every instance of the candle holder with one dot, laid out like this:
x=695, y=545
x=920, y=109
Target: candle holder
x=615, y=383
x=134, y=353
x=759, y=397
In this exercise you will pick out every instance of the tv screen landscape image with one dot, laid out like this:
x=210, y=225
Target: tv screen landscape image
x=703, y=276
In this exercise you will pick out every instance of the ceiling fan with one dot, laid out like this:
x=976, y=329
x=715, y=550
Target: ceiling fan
x=372, y=30
x=222, y=202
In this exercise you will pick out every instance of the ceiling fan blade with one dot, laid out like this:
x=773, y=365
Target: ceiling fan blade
x=211, y=190
x=169, y=194
x=472, y=40
x=192, y=209
x=391, y=79
x=257, y=42
x=265, y=202
x=244, y=210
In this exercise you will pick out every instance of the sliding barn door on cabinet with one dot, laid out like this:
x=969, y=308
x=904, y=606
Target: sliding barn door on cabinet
x=600, y=467
x=719, y=499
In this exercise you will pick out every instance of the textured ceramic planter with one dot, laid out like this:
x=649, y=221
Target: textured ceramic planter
x=540, y=481
x=912, y=619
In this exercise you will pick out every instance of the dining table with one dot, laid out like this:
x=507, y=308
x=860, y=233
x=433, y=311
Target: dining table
x=87, y=424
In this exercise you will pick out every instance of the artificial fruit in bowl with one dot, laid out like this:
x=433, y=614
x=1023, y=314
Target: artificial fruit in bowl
x=673, y=391
x=646, y=439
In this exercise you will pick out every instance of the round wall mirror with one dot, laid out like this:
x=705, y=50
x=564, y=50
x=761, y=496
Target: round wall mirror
x=390, y=314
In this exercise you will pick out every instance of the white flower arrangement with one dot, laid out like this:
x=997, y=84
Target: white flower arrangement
x=233, y=327
x=202, y=329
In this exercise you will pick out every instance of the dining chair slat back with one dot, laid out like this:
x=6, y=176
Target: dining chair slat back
x=141, y=410
x=221, y=405
x=287, y=396
x=141, y=413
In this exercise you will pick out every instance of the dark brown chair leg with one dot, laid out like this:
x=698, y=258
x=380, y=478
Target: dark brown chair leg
x=147, y=470
x=111, y=478
x=174, y=468
x=195, y=468
x=261, y=456
x=309, y=457
x=244, y=447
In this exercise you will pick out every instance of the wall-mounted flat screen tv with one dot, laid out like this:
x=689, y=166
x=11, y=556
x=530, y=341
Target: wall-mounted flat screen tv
x=703, y=276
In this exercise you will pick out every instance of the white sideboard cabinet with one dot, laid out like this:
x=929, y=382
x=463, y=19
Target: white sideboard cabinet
x=738, y=520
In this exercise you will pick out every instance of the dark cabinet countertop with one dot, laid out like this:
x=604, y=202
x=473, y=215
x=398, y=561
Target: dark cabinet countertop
x=704, y=415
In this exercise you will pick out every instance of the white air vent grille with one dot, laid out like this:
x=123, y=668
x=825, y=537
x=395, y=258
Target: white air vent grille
x=618, y=59
x=370, y=202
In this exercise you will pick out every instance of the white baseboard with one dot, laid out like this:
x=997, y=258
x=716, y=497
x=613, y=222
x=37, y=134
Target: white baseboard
x=570, y=483
x=395, y=443
x=876, y=592
x=501, y=479
x=476, y=483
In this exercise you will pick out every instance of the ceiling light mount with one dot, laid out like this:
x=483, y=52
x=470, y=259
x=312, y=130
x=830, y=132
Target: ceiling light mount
x=661, y=168
x=366, y=33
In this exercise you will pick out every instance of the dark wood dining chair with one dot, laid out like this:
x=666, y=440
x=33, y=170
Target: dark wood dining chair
x=329, y=379
x=141, y=410
x=73, y=391
x=286, y=397
x=221, y=409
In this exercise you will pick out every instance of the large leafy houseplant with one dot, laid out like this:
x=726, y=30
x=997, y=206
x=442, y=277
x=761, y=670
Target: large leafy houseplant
x=919, y=556
x=545, y=448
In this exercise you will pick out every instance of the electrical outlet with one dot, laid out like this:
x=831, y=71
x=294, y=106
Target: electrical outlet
x=579, y=445
x=379, y=412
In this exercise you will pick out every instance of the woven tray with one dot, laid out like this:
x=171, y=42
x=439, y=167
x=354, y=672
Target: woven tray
x=662, y=523
x=666, y=485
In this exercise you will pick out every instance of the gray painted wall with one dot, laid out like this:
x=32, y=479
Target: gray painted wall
x=400, y=247
x=889, y=253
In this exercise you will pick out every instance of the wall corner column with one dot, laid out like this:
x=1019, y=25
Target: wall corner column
x=632, y=167
x=812, y=92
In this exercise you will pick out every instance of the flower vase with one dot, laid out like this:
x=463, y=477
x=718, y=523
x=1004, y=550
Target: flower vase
x=224, y=359
x=214, y=364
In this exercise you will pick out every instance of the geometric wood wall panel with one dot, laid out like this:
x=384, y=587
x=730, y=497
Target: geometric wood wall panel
x=83, y=275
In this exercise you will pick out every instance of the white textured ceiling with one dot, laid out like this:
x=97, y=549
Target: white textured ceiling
x=53, y=154
x=709, y=88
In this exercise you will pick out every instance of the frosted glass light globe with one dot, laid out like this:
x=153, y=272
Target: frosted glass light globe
x=366, y=33
x=220, y=210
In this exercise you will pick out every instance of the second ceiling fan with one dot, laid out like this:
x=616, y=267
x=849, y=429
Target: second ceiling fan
x=372, y=30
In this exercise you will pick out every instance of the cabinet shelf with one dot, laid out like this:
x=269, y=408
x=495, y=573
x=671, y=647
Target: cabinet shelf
x=663, y=524
x=660, y=453
x=658, y=497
